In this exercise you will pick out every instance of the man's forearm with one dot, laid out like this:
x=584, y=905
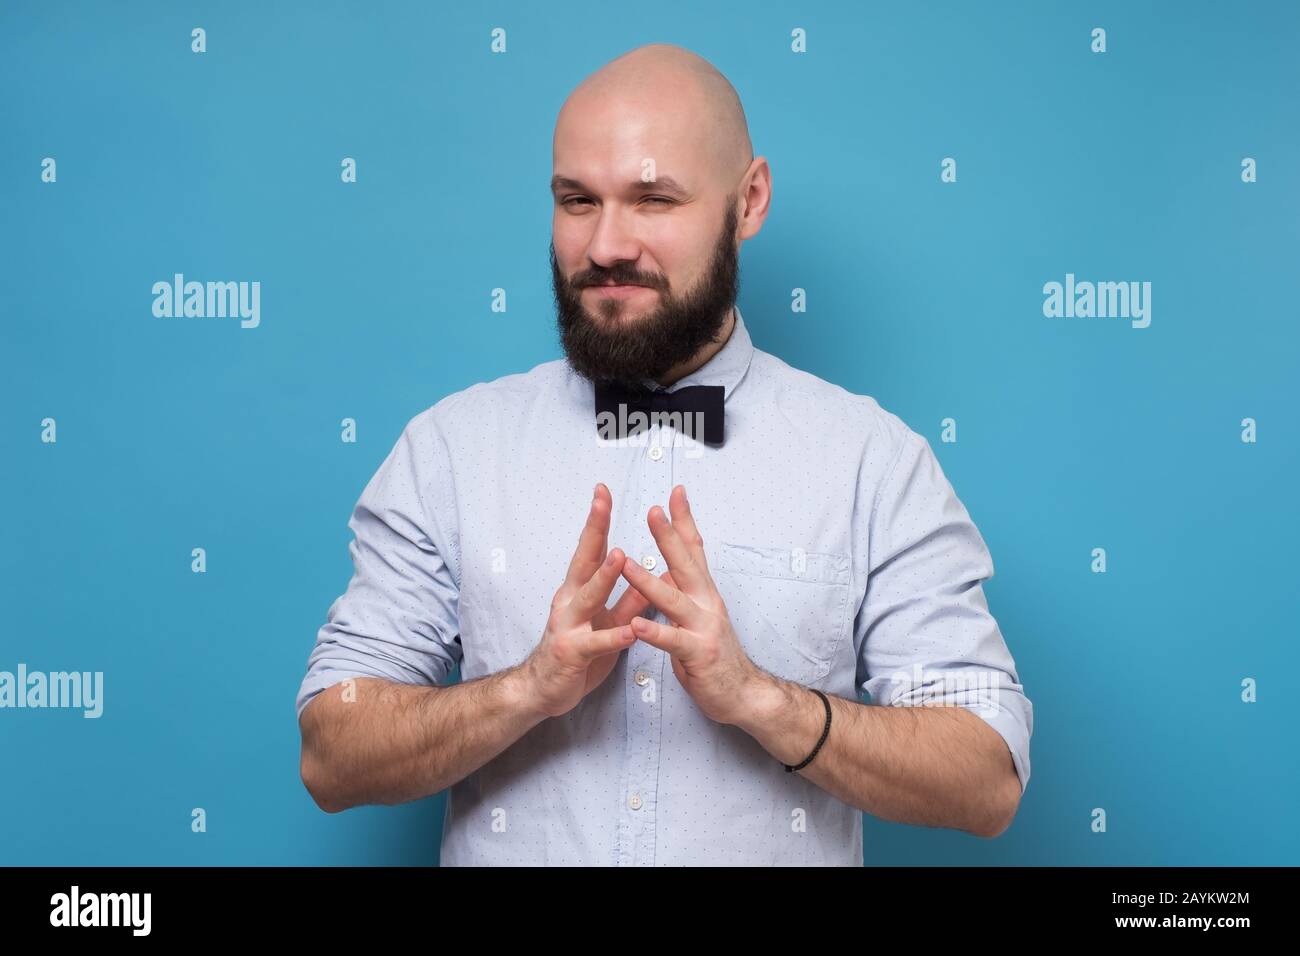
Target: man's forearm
x=930, y=766
x=399, y=742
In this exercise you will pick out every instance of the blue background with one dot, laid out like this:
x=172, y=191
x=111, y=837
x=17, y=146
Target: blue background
x=1073, y=433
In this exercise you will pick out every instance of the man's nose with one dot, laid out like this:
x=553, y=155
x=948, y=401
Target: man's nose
x=615, y=238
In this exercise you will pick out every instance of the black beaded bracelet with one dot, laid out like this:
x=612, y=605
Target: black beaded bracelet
x=825, y=733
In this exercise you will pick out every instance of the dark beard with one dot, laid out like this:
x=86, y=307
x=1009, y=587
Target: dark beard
x=627, y=351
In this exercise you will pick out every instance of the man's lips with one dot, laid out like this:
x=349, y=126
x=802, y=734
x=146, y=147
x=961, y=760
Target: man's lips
x=618, y=289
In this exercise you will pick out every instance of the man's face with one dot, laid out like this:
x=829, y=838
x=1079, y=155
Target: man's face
x=674, y=257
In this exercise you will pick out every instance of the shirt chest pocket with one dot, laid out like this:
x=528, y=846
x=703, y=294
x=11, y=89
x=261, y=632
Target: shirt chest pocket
x=788, y=606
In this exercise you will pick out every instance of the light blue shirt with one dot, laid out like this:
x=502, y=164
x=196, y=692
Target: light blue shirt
x=845, y=558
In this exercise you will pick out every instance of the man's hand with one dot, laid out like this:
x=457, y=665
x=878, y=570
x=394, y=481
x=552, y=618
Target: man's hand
x=706, y=653
x=583, y=638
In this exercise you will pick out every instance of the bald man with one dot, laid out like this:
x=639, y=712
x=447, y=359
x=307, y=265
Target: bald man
x=781, y=548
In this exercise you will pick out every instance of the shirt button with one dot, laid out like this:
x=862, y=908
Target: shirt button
x=656, y=452
x=648, y=562
x=634, y=801
x=641, y=677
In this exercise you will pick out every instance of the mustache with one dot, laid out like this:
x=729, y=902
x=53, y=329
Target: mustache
x=615, y=277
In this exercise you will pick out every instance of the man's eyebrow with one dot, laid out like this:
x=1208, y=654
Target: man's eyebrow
x=664, y=184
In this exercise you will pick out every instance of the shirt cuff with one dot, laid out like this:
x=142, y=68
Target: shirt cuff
x=1012, y=722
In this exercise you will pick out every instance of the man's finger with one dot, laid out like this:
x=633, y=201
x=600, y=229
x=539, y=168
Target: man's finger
x=630, y=603
x=606, y=641
x=663, y=636
x=666, y=577
x=692, y=577
x=591, y=597
x=590, y=552
x=672, y=603
x=684, y=521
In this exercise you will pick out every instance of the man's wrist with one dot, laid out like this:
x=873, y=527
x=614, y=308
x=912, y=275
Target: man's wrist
x=517, y=690
x=786, y=718
x=761, y=702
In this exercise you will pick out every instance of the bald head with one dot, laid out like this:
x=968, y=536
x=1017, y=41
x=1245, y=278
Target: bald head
x=664, y=101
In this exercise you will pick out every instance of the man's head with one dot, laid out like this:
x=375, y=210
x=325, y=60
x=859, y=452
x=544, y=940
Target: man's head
x=655, y=186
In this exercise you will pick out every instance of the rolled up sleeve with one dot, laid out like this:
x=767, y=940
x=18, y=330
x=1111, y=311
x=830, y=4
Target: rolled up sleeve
x=397, y=619
x=923, y=634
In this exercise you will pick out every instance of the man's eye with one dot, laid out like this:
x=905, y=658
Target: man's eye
x=583, y=199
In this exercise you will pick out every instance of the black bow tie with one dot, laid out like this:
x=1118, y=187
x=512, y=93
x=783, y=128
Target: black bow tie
x=700, y=408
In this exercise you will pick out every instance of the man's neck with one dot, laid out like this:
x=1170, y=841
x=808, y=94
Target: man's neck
x=697, y=361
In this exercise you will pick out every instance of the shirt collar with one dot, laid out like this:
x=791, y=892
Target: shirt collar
x=727, y=366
